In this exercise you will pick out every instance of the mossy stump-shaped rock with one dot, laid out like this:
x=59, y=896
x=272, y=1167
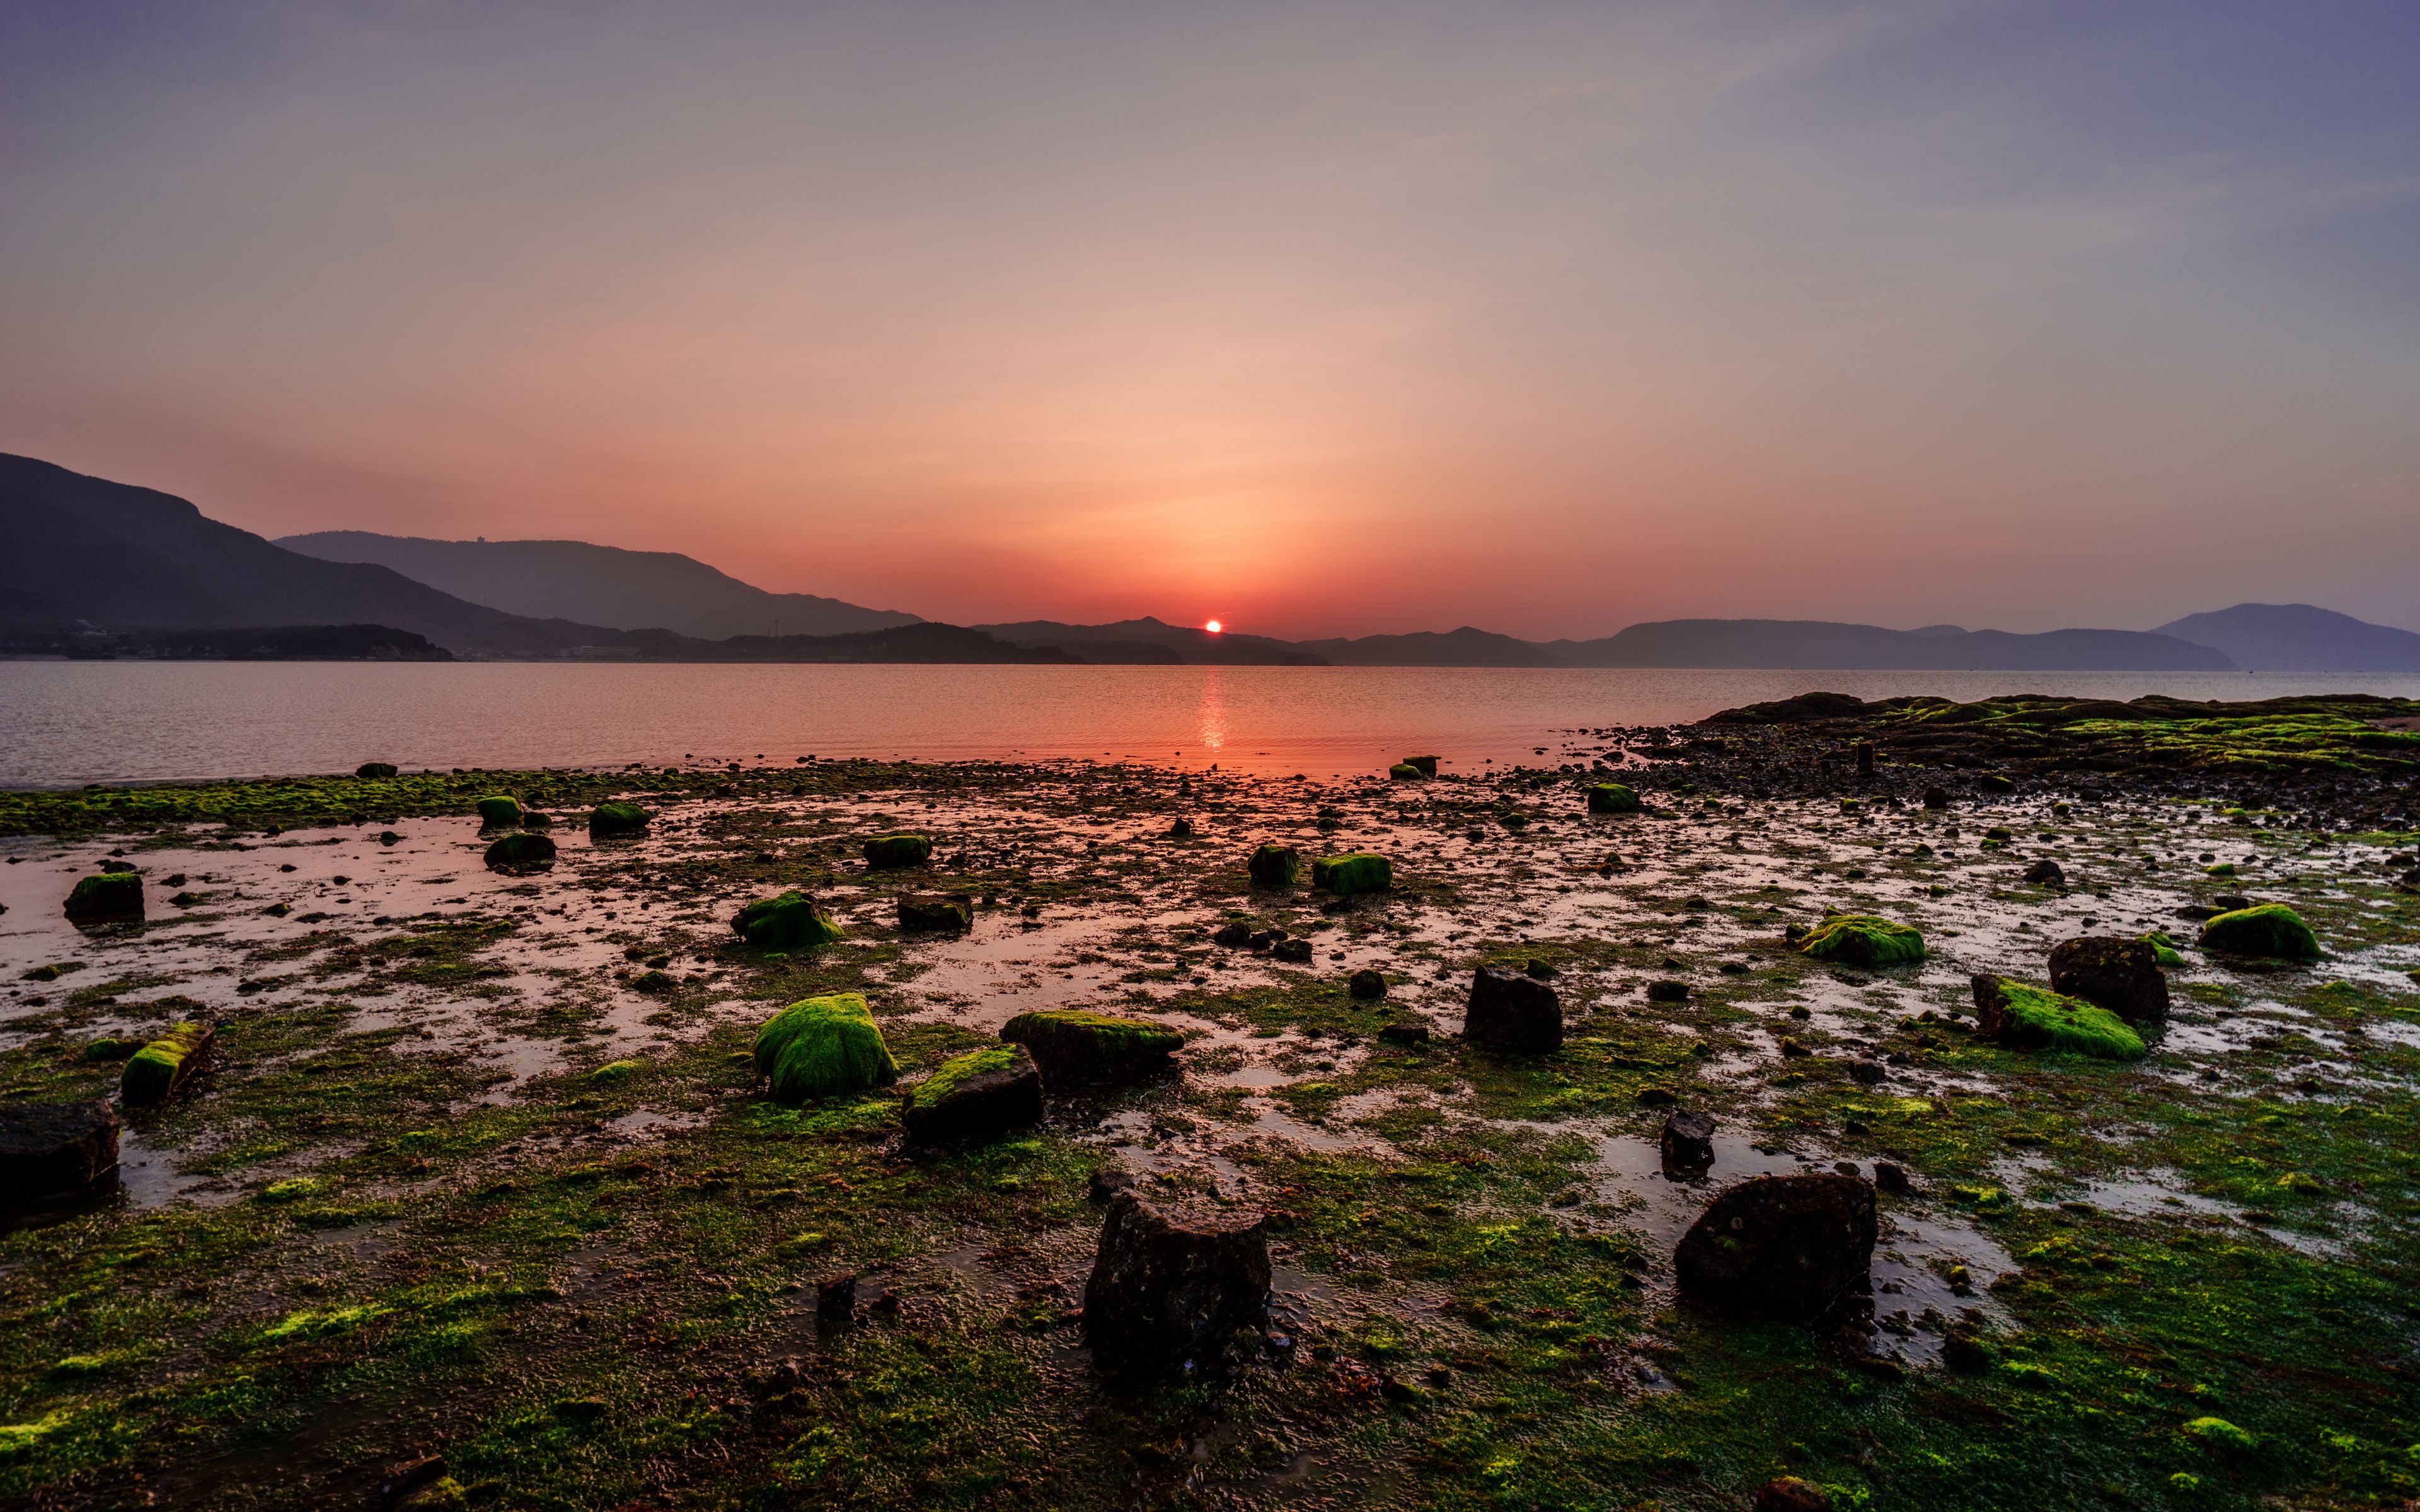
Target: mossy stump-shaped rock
x=156, y=1071
x=608, y=819
x=500, y=811
x=1273, y=866
x=109, y=897
x=1782, y=1247
x=2271, y=931
x=1070, y=1045
x=1405, y=772
x=2035, y=1018
x=1169, y=1288
x=1425, y=766
x=952, y=911
x=2120, y=975
x=888, y=852
x=789, y=921
x=975, y=1096
x=1612, y=797
x=375, y=769
x=1355, y=871
x=50, y=1151
x=821, y=1046
x=514, y=852
x=1863, y=940
x=1509, y=1010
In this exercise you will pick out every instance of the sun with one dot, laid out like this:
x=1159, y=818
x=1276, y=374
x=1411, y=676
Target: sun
x=1213, y=627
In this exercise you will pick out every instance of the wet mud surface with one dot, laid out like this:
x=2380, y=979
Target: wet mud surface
x=456, y=1180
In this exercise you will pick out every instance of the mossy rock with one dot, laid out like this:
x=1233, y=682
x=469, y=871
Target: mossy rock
x=519, y=849
x=1405, y=772
x=790, y=921
x=820, y=1046
x=2035, y=1018
x=1612, y=797
x=375, y=769
x=1425, y=766
x=950, y=911
x=500, y=811
x=2163, y=948
x=890, y=851
x=110, y=897
x=1863, y=940
x=652, y=982
x=2271, y=931
x=1355, y=872
x=1070, y=1045
x=157, y=1070
x=617, y=819
x=1273, y=866
x=975, y=1096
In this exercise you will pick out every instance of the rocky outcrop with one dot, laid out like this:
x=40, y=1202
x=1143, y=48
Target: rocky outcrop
x=1169, y=1288
x=50, y=1151
x=1779, y=1246
x=2120, y=975
x=978, y=1095
x=1509, y=1011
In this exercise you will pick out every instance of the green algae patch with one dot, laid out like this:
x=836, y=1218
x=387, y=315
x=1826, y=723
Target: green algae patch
x=790, y=921
x=1863, y=940
x=820, y=1046
x=617, y=819
x=2163, y=948
x=1352, y=873
x=157, y=1070
x=1272, y=865
x=613, y=1071
x=104, y=897
x=499, y=812
x=1070, y=1044
x=1405, y=772
x=958, y=1070
x=1612, y=797
x=2271, y=931
x=886, y=853
x=2218, y=1433
x=2035, y=1018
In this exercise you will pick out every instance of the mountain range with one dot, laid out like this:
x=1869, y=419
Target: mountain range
x=112, y=563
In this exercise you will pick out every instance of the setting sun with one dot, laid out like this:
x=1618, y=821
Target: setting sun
x=1211, y=627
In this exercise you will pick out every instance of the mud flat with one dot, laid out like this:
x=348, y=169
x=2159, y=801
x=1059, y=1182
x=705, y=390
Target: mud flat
x=479, y=1165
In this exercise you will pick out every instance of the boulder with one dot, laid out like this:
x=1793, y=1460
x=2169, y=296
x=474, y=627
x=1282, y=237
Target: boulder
x=1367, y=984
x=2033, y=1018
x=1783, y=1247
x=1406, y=1031
x=1612, y=797
x=2271, y=931
x=1936, y=799
x=1512, y=1011
x=2046, y=873
x=1688, y=1145
x=820, y=1046
x=1171, y=1287
x=519, y=849
x=499, y=813
x=1234, y=934
x=1352, y=873
x=1070, y=1045
x=890, y=852
x=1426, y=765
x=375, y=769
x=1405, y=772
x=1863, y=940
x=1273, y=866
x=50, y=1151
x=951, y=911
x=975, y=1096
x=789, y=921
x=110, y=898
x=155, y=1072
x=1296, y=951
x=2122, y=975
x=1668, y=991
x=617, y=819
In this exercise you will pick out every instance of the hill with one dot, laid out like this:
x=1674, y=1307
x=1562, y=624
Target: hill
x=2300, y=638
x=1153, y=640
x=1823, y=644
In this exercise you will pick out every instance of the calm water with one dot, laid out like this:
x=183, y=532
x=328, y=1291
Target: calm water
x=73, y=722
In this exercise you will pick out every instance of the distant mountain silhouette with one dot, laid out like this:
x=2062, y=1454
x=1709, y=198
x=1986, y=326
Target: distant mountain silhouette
x=598, y=585
x=1819, y=643
x=1465, y=647
x=2298, y=637
x=1152, y=639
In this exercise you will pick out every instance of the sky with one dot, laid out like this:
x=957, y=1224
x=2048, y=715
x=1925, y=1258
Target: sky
x=1316, y=318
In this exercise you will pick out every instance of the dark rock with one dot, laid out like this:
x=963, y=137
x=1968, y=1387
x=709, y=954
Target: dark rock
x=56, y=1150
x=519, y=849
x=2230, y=903
x=1180, y=828
x=2046, y=873
x=2122, y=975
x=1171, y=1287
x=1936, y=799
x=1070, y=1045
x=1866, y=1073
x=1962, y=1351
x=1273, y=866
x=1688, y=1141
x=1892, y=1177
x=1539, y=970
x=887, y=852
x=1512, y=1012
x=1779, y=1246
x=376, y=769
x=1406, y=1031
x=388, y=837
x=401, y=1480
x=1296, y=951
x=1657, y=1096
x=1864, y=758
x=110, y=898
x=610, y=819
x=651, y=980
x=1668, y=991
x=950, y=911
x=1790, y=1494
x=1425, y=766
x=978, y=1095
x=1367, y=984
x=835, y=1301
x=789, y=922
x=1233, y=935
x=1107, y=1182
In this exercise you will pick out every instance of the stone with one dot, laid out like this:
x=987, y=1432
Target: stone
x=1790, y=1494
x=1511, y=1011
x=500, y=811
x=1657, y=1096
x=2033, y=1018
x=375, y=769
x=653, y=980
x=2271, y=931
x=1108, y=1181
x=1781, y=1248
x=1892, y=1177
x=951, y=911
x=1405, y=772
x=1425, y=766
x=1865, y=751
x=508, y=852
x=49, y=1151
x=1367, y=985
x=1863, y=940
x=886, y=853
x=1866, y=1073
x=978, y=1095
x=1234, y=934
x=617, y=819
x=1688, y=1143
x=2046, y=873
x=1180, y=828
x=1406, y=1031
x=1668, y=991
x=822, y=1046
x=1296, y=951
x=835, y=1302
x=1273, y=865
x=155, y=1072
x=406, y=1479
x=789, y=921
x=1356, y=871
x=2120, y=975
x=1936, y=799
x=110, y=898
x=1170, y=1286
x=1072, y=1045
x=1612, y=797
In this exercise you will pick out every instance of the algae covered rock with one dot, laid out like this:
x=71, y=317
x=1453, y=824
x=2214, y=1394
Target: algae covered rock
x=2162, y=948
x=500, y=811
x=789, y=921
x=108, y=898
x=892, y=852
x=617, y=819
x=157, y=1070
x=1405, y=772
x=2271, y=931
x=1273, y=866
x=1863, y=940
x=1612, y=797
x=975, y=1096
x=1511, y=1011
x=508, y=852
x=375, y=769
x=1367, y=985
x=949, y=911
x=1072, y=1045
x=1171, y=1287
x=1352, y=873
x=2120, y=975
x=1425, y=766
x=1783, y=1247
x=50, y=1151
x=2035, y=1018
x=820, y=1046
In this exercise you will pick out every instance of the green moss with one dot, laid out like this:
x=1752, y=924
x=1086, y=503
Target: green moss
x=1069, y=1041
x=1864, y=940
x=2220, y=1434
x=499, y=812
x=2163, y=946
x=1612, y=797
x=890, y=851
x=617, y=819
x=956, y=1071
x=1405, y=772
x=2269, y=930
x=158, y=1067
x=790, y=921
x=2035, y=1018
x=1354, y=873
x=821, y=1046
